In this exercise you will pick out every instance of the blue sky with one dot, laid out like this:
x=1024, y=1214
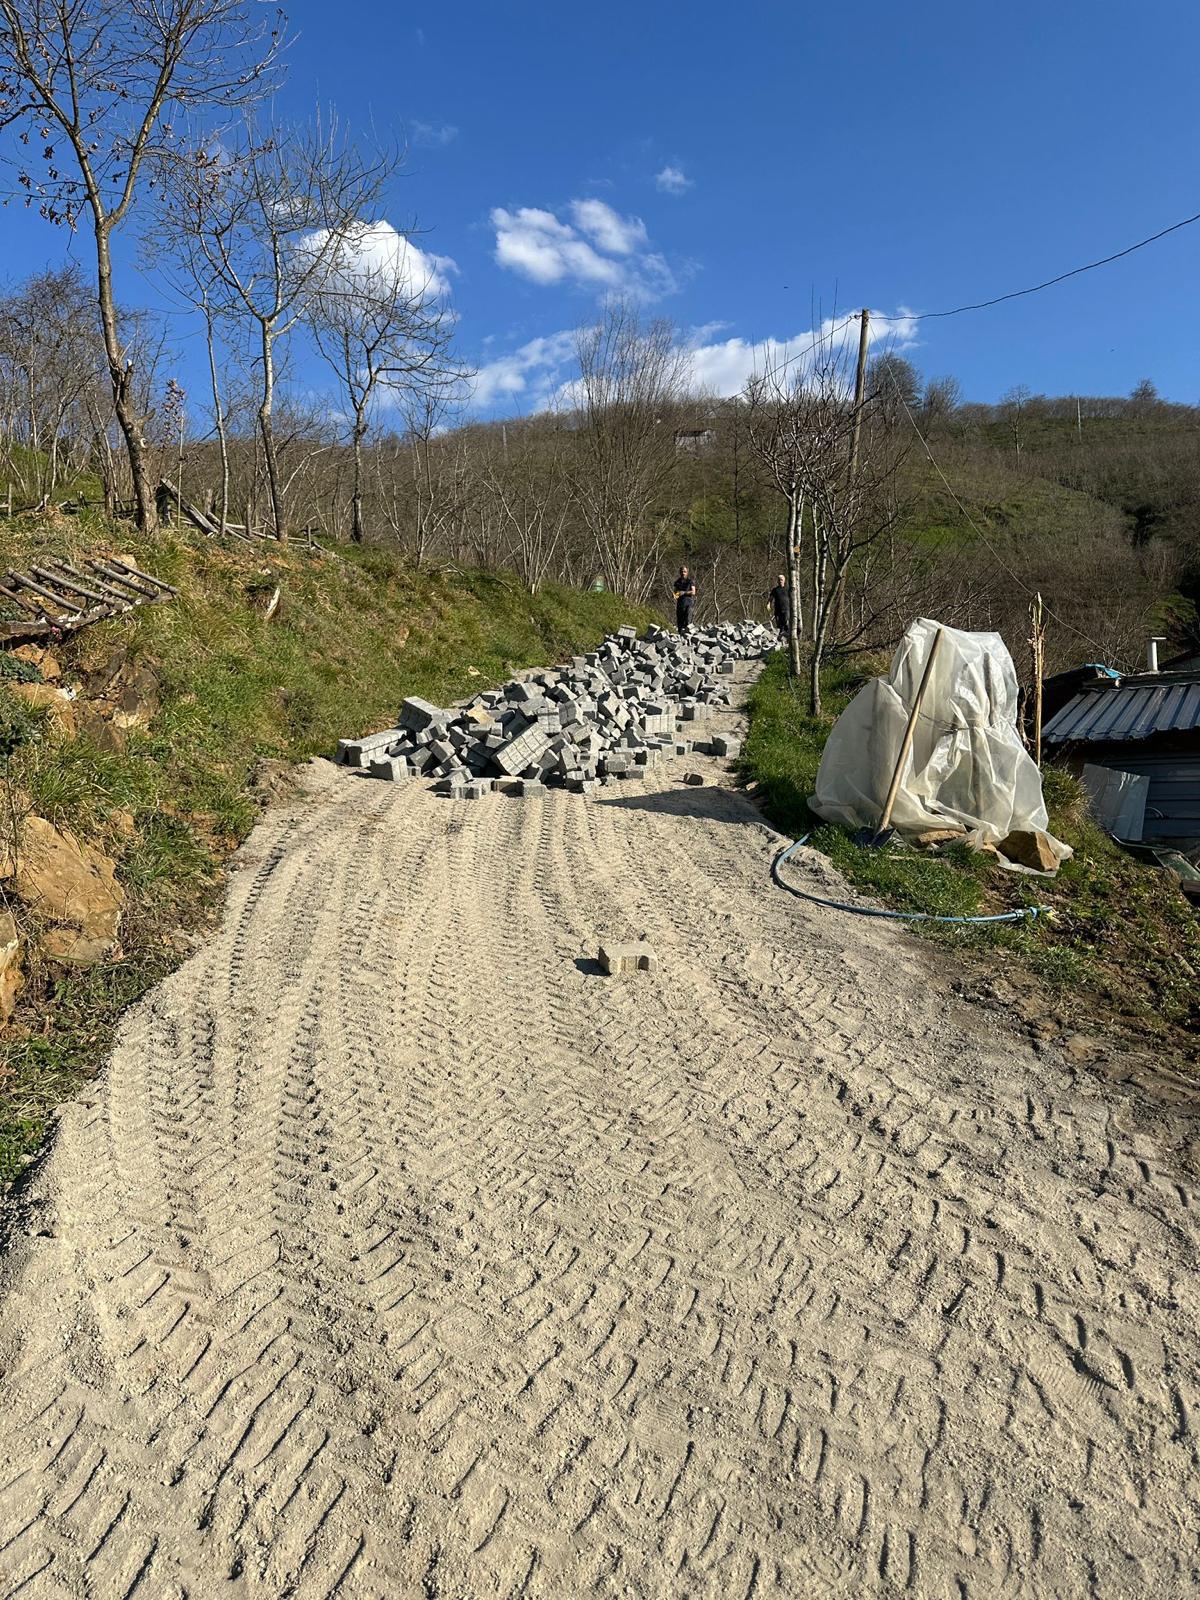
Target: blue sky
x=744, y=169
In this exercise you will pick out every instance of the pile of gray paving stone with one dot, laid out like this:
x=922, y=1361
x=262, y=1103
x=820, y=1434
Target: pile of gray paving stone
x=609, y=715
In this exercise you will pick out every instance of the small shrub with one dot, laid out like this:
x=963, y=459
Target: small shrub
x=18, y=671
x=20, y=725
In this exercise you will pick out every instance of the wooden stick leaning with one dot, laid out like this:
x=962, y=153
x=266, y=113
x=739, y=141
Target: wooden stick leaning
x=906, y=743
x=1038, y=641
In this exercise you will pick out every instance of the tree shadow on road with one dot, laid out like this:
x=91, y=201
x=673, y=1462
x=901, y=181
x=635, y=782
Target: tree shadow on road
x=712, y=802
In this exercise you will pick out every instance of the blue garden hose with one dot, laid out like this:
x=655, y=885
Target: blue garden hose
x=874, y=911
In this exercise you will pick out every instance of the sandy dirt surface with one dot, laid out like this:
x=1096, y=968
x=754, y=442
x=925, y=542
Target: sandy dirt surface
x=399, y=1253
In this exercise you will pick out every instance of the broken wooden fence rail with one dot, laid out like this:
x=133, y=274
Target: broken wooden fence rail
x=167, y=495
x=59, y=598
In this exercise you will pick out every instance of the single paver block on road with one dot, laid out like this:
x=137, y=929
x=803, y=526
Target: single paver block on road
x=639, y=957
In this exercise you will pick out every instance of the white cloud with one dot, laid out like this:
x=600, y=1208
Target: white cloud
x=604, y=250
x=610, y=231
x=723, y=366
x=540, y=247
x=377, y=250
x=541, y=373
x=434, y=134
x=528, y=376
x=672, y=180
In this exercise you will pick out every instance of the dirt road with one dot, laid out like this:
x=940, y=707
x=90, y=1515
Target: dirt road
x=401, y=1254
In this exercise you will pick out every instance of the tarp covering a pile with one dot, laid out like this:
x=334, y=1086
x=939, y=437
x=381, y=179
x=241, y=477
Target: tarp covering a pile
x=967, y=767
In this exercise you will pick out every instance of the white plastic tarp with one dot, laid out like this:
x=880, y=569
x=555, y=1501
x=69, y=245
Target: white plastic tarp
x=967, y=767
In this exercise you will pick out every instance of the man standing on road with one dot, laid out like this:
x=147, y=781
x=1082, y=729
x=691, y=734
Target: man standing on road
x=685, y=599
x=781, y=607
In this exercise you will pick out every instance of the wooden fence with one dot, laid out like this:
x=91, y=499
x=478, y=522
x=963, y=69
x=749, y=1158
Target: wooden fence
x=58, y=598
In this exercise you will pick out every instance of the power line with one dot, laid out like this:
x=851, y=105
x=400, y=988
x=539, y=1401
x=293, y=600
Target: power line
x=1036, y=288
x=1013, y=294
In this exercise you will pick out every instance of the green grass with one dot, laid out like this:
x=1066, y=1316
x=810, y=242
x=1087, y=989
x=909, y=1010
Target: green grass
x=31, y=467
x=1117, y=931
x=356, y=631
x=39, y=1070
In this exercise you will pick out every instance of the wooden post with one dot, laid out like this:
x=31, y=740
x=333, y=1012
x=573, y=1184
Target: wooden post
x=860, y=389
x=1037, y=641
x=910, y=730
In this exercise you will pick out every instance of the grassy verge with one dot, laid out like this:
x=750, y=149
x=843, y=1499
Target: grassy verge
x=1120, y=935
x=355, y=631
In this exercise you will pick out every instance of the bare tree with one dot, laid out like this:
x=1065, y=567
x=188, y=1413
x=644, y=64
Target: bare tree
x=1015, y=403
x=180, y=205
x=220, y=410
x=106, y=77
x=778, y=432
x=424, y=480
x=800, y=427
x=525, y=479
x=631, y=377
x=51, y=373
x=381, y=324
x=853, y=512
x=942, y=398
x=272, y=218
x=896, y=383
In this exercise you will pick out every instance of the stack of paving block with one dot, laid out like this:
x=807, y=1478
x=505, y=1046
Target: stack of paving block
x=605, y=716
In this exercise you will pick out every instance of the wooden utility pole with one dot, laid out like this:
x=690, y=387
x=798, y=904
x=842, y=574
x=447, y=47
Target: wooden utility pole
x=860, y=389
x=1037, y=643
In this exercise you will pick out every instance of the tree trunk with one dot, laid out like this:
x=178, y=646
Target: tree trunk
x=795, y=525
x=820, y=616
x=267, y=432
x=219, y=417
x=814, y=681
x=108, y=478
x=820, y=635
x=356, y=502
x=121, y=373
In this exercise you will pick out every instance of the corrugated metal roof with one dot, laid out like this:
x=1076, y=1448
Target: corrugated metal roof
x=1131, y=711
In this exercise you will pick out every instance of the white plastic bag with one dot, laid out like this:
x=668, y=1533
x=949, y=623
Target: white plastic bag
x=967, y=767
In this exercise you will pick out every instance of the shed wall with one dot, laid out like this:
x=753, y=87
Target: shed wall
x=1173, y=799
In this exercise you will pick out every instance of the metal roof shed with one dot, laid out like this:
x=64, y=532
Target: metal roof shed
x=1149, y=726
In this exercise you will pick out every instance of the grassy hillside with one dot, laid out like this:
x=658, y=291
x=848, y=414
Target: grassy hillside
x=355, y=631
x=1008, y=505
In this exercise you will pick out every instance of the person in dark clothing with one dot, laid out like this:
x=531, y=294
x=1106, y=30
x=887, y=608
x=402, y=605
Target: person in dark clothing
x=781, y=606
x=685, y=599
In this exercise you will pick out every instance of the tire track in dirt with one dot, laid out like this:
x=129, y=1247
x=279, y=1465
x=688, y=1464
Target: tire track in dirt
x=400, y=1253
